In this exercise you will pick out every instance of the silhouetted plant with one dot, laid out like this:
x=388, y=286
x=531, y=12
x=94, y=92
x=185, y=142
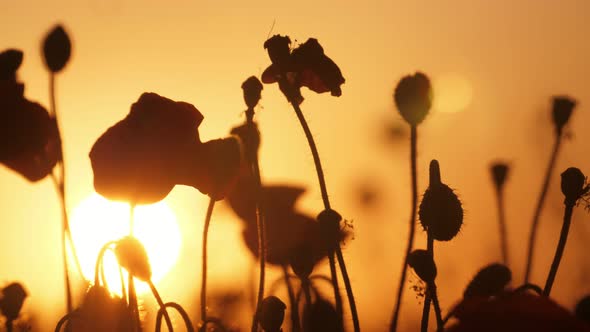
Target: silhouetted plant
x=423, y=264
x=271, y=314
x=491, y=280
x=11, y=303
x=500, y=172
x=582, y=309
x=574, y=188
x=562, y=109
x=308, y=66
x=413, y=98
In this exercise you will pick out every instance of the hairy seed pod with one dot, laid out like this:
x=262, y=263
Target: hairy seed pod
x=57, y=49
x=423, y=263
x=440, y=212
x=271, y=314
x=489, y=281
x=572, y=184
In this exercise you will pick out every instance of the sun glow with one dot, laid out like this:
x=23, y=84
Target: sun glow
x=452, y=93
x=97, y=221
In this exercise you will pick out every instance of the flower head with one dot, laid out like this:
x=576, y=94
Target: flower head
x=29, y=138
x=499, y=172
x=252, y=89
x=413, y=97
x=562, y=110
x=132, y=256
x=307, y=65
x=11, y=302
x=57, y=49
x=572, y=184
x=271, y=314
x=142, y=157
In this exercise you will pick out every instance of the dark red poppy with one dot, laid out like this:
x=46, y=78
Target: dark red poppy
x=306, y=65
x=29, y=138
x=515, y=311
x=157, y=146
x=101, y=312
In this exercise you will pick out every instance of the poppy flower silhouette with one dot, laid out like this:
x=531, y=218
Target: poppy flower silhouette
x=29, y=139
x=306, y=65
x=157, y=146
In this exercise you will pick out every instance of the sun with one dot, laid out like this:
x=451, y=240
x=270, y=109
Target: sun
x=452, y=93
x=96, y=221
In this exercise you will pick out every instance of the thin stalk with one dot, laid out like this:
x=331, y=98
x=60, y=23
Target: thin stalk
x=567, y=220
x=400, y=290
x=162, y=306
x=295, y=327
x=204, y=260
x=63, y=320
x=428, y=295
x=132, y=296
x=180, y=310
x=536, y=216
x=326, y=200
x=306, y=287
x=502, y=225
x=336, y=287
x=9, y=325
x=260, y=222
x=439, y=321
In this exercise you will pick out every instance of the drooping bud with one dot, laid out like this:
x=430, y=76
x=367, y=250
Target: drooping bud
x=440, y=212
x=132, y=256
x=13, y=297
x=499, y=172
x=562, y=110
x=57, y=49
x=252, y=91
x=572, y=184
x=413, y=98
x=271, y=314
x=423, y=263
x=10, y=61
x=278, y=50
x=489, y=281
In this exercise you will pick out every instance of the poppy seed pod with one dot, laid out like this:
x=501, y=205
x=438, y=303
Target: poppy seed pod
x=278, y=50
x=499, y=174
x=440, y=212
x=489, y=281
x=423, y=263
x=252, y=91
x=271, y=314
x=562, y=110
x=13, y=297
x=57, y=49
x=132, y=256
x=572, y=184
x=10, y=61
x=413, y=98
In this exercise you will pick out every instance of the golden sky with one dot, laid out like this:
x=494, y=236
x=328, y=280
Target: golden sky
x=510, y=56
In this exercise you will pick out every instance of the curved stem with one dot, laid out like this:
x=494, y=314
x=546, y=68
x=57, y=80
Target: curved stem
x=132, y=296
x=204, y=260
x=63, y=320
x=99, y=261
x=180, y=310
x=439, y=321
x=536, y=216
x=161, y=304
x=428, y=295
x=336, y=287
x=531, y=287
x=567, y=219
x=351, y=302
x=502, y=225
x=295, y=327
x=400, y=290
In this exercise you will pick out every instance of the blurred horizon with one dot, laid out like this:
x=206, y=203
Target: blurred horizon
x=495, y=66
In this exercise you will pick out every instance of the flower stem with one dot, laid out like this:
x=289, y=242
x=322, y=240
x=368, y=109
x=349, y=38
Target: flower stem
x=536, y=216
x=295, y=327
x=306, y=287
x=204, y=260
x=260, y=222
x=428, y=295
x=502, y=225
x=567, y=219
x=325, y=199
x=400, y=290
x=132, y=296
x=336, y=287
x=63, y=320
x=162, y=306
x=437, y=312
x=180, y=310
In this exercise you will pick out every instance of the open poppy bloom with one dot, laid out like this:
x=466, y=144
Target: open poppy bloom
x=29, y=138
x=307, y=65
x=157, y=146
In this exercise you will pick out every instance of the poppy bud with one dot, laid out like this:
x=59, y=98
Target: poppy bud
x=572, y=184
x=329, y=221
x=57, y=49
x=271, y=314
x=413, y=97
x=252, y=88
x=562, y=110
x=132, y=256
x=278, y=50
x=423, y=263
x=499, y=173
x=13, y=297
x=489, y=281
x=440, y=212
x=10, y=61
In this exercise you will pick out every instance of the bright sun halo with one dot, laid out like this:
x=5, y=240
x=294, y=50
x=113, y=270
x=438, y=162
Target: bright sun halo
x=96, y=221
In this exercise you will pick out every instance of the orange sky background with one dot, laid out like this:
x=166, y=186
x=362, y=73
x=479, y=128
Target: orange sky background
x=514, y=56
